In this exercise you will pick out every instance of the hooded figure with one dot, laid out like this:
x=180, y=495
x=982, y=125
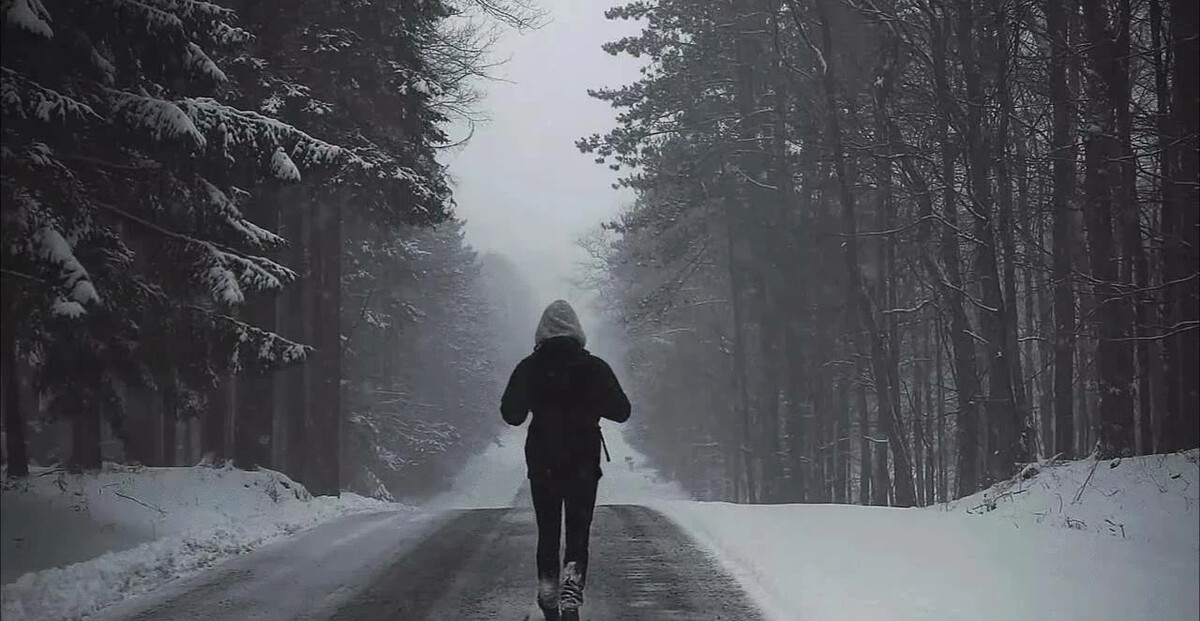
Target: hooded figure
x=559, y=319
x=568, y=390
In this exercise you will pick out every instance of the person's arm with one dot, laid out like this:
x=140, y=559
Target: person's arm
x=614, y=405
x=514, y=405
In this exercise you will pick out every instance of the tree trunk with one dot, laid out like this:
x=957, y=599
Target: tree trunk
x=918, y=428
x=16, y=455
x=798, y=431
x=1063, y=156
x=294, y=309
x=168, y=398
x=1007, y=444
x=942, y=467
x=1184, y=430
x=1104, y=197
x=324, y=443
x=1007, y=224
x=858, y=301
x=256, y=387
x=949, y=278
x=213, y=432
x=85, y=439
x=841, y=489
x=1165, y=384
x=864, y=448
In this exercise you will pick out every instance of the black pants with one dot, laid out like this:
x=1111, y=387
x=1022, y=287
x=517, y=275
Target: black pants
x=550, y=497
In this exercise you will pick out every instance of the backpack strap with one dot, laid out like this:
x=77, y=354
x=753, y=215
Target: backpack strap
x=604, y=445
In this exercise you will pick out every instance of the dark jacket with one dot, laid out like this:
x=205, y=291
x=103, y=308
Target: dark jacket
x=568, y=390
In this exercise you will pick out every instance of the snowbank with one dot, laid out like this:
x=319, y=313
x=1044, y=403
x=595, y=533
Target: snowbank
x=1023, y=560
x=73, y=544
x=1150, y=499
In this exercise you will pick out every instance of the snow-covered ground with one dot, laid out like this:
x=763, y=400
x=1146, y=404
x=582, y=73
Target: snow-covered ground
x=1122, y=547
x=72, y=544
x=1081, y=540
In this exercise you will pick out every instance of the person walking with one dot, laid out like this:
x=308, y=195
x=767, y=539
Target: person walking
x=568, y=390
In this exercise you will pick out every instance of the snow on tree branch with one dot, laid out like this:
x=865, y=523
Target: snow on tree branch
x=154, y=18
x=228, y=210
x=28, y=15
x=282, y=166
x=26, y=99
x=255, y=132
x=227, y=273
x=267, y=348
x=56, y=250
x=162, y=119
x=192, y=9
x=198, y=61
x=225, y=34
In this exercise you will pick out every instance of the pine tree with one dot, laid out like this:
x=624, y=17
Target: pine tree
x=124, y=187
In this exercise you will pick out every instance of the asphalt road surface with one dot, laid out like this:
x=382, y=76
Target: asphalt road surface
x=454, y=565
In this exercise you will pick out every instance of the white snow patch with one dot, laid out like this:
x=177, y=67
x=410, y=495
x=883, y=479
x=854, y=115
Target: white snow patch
x=75, y=543
x=223, y=285
x=199, y=61
x=283, y=167
x=818, y=562
x=29, y=15
x=490, y=479
x=1150, y=499
x=162, y=119
x=57, y=250
x=63, y=307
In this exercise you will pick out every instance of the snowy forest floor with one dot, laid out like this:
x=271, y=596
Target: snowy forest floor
x=1079, y=540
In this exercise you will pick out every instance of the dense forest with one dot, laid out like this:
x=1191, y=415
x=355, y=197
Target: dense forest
x=892, y=251
x=226, y=236
x=881, y=251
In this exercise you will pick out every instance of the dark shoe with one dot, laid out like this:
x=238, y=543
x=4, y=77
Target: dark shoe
x=547, y=600
x=572, y=593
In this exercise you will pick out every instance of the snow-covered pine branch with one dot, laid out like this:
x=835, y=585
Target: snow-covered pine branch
x=193, y=9
x=161, y=119
x=28, y=15
x=246, y=132
x=24, y=98
x=226, y=273
x=198, y=61
x=227, y=208
x=77, y=286
x=254, y=345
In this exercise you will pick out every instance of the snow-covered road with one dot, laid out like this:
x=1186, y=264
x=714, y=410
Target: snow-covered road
x=457, y=564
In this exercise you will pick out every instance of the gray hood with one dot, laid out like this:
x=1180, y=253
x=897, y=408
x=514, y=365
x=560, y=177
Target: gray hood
x=559, y=319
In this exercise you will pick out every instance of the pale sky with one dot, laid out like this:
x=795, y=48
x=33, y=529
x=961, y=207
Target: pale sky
x=520, y=183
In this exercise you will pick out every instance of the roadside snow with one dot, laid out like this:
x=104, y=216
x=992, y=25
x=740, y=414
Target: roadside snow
x=1150, y=499
x=1023, y=560
x=74, y=543
x=490, y=479
x=629, y=479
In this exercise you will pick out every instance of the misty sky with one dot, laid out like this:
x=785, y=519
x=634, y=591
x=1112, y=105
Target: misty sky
x=521, y=184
